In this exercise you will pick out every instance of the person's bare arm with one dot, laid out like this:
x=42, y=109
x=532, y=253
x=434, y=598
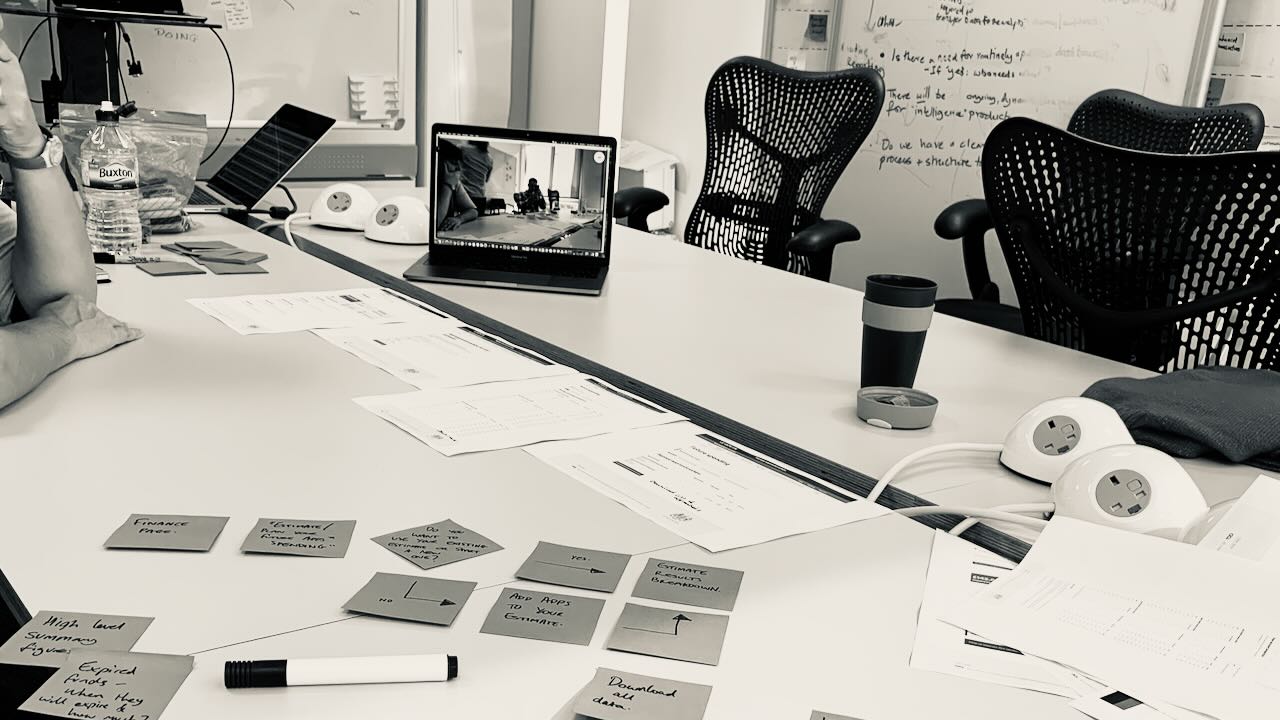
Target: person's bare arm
x=66, y=330
x=52, y=257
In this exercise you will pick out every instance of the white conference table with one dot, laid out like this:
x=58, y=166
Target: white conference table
x=195, y=419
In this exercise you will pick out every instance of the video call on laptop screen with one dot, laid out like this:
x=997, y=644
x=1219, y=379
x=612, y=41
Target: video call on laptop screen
x=548, y=197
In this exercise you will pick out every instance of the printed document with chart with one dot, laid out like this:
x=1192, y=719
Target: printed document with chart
x=1163, y=621
x=291, y=312
x=511, y=414
x=703, y=487
x=439, y=354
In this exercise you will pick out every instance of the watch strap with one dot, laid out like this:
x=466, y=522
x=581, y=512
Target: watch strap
x=39, y=162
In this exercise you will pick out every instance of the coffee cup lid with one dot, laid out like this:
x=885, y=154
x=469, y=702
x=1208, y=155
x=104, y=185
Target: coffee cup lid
x=896, y=408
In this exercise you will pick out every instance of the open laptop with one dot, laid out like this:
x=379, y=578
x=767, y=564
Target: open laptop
x=529, y=245
x=262, y=162
x=168, y=10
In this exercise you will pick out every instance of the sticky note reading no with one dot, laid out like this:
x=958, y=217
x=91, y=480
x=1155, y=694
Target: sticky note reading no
x=50, y=636
x=620, y=695
x=97, y=685
x=404, y=597
x=313, y=538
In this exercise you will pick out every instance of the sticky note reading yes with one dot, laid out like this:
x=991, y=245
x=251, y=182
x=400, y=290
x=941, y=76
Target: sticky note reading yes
x=97, y=685
x=619, y=695
x=313, y=538
x=544, y=616
x=404, y=597
x=574, y=567
x=437, y=544
x=167, y=532
x=689, y=584
x=48, y=637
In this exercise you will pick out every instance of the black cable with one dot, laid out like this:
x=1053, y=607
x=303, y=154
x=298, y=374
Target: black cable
x=53, y=59
x=124, y=89
x=231, y=69
x=30, y=37
x=293, y=203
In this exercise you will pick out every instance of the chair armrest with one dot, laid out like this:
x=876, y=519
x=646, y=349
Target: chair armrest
x=822, y=237
x=638, y=201
x=963, y=218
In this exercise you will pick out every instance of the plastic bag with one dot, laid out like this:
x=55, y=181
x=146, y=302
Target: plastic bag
x=170, y=146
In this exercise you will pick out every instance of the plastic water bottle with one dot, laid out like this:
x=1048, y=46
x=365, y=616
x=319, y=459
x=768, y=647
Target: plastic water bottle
x=109, y=186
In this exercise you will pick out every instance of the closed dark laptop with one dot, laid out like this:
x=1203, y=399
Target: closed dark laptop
x=519, y=209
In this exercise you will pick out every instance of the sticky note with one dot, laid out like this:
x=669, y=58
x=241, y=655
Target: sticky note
x=544, y=616
x=166, y=268
x=437, y=544
x=103, y=685
x=228, y=268
x=48, y=637
x=239, y=257
x=689, y=584
x=819, y=715
x=405, y=597
x=673, y=634
x=574, y=567
x=313, y=538
x=167, y=532
x=619, y=695
x=197, y=245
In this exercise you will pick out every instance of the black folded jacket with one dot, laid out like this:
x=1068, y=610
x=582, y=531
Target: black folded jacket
x=1226, y=412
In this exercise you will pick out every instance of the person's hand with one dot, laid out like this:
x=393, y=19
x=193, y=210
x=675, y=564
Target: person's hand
x=91, y=331
x=451, y=223
x=20, y=135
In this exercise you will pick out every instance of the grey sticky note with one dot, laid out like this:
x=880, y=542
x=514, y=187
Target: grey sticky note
x=239, y=257
x=226, y=268
x=619, y=695
x=48, y=637
x=819, y=715
x=437, y=544
x=167, y=532
x=544, y=616
x=404, y=597
x=574, y=567
x=689, y=584
x=198, y=245
x=166, y=268
x=313, y=538
x=674, y=634
x=102, y=685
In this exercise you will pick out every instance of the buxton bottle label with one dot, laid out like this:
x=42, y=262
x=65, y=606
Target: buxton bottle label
x=113, y=176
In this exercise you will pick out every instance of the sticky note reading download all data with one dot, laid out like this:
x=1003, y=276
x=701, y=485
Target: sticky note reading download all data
x=48, y=637
x=689, y=584
x=544, y=616
x=619, y=695
x=167, y=532
x=312, y=538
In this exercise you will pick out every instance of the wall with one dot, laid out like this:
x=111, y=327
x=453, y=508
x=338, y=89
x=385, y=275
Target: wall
x=564, y=76
x=673, y=47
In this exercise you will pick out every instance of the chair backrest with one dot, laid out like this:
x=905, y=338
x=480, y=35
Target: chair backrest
x=1129, y=120
x=777, y=141
x=1162, y=261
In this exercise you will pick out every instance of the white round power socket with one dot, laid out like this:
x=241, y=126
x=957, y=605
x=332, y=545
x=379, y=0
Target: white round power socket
x=1133, y=488
x=1053, y=434
x=345, y=206
x=401, y=220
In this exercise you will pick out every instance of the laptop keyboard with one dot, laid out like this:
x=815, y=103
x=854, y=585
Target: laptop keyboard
x=501, y=265
x=200, y=196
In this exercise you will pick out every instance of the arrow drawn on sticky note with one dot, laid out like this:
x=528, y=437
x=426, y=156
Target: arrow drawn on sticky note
x=674, y=632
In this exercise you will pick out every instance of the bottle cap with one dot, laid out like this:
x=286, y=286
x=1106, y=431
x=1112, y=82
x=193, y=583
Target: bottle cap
x=107, y=111
x=896, y=408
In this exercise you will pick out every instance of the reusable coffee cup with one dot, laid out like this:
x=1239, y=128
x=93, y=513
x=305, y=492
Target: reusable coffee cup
x=896, y=313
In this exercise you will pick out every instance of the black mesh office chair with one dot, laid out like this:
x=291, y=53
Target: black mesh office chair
x=1115, y=117
x=17, y=682
x=1161, y=261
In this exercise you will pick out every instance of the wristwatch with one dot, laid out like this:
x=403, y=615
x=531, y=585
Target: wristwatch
x=50, y=157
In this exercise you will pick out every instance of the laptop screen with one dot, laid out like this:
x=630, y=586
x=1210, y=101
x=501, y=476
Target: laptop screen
x=546, y=196
x=269, y=155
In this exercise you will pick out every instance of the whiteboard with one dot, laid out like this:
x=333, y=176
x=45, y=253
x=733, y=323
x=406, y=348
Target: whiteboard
x=953, y=69
x=296, y=51
x=1246, y=66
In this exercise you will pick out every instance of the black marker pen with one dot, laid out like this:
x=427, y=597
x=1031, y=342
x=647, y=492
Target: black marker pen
x=339, y=671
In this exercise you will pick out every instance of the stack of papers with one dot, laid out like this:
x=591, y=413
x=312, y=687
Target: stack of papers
x=292, y=312
x=1183, y=628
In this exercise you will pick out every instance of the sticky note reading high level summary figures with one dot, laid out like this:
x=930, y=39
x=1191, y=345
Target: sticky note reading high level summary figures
x=48, y=637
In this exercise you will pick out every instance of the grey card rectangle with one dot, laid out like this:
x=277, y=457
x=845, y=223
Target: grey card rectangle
x=312, y=538
x=167, y=532
x=48, y=637
x=620, y=695
x=574, y=567
x=689, y=584
x=437, y=544
x=96, y=685
x=676, y=635
x=544, y=616
x=404, y=597
x=819, y=715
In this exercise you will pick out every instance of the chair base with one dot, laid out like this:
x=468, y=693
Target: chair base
x=996, y=315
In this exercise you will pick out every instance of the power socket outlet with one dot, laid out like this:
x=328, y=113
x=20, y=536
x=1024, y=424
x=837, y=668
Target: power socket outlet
x=1124, y=493
x=1056, y=436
